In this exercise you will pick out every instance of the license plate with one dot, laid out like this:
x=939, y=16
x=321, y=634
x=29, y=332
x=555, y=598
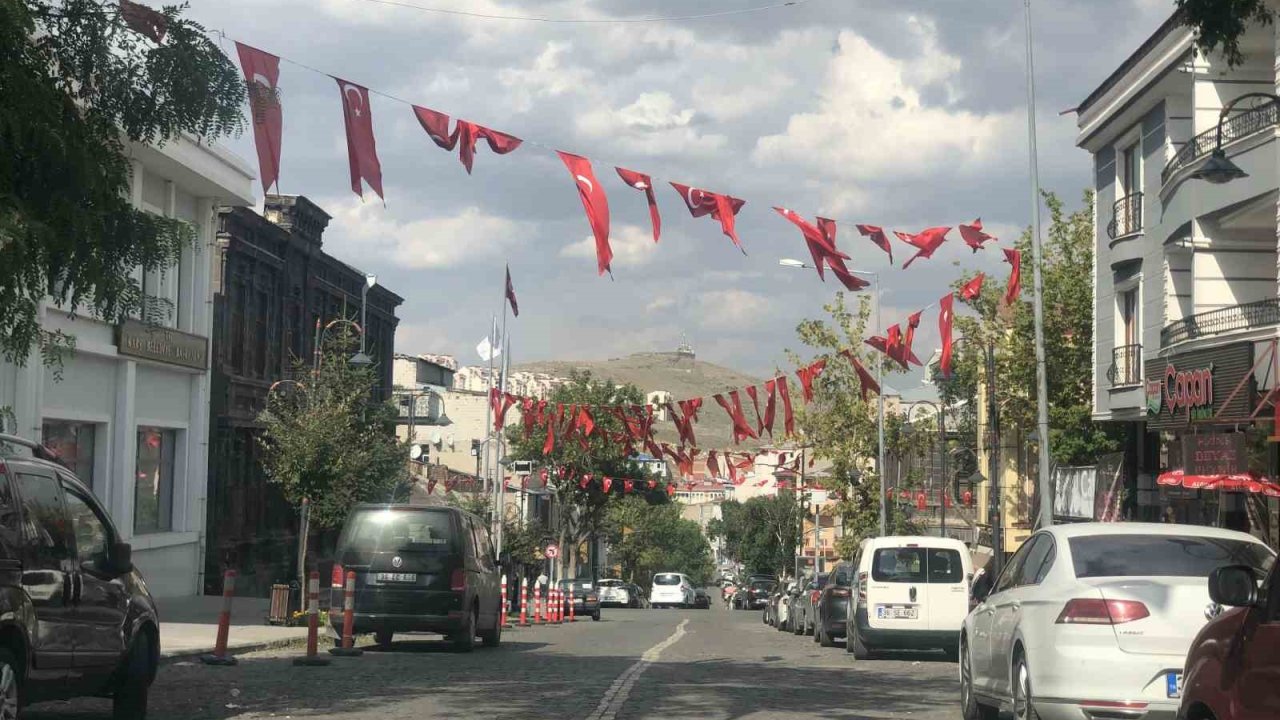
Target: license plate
x=893, y=612
x=1174, y=684
x=397, y=577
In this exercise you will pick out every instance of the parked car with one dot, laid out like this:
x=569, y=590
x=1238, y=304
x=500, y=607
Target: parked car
x=832, y=611
x=69, y=592
x=639, y=597
x=1234, y=663
x=616, y=593
x=912, y=594
x=701, y=600
x=802, y=607
x=585, y=597
x=671, y=590
x=419, y=569
x=757, y=594
x=1095, y=620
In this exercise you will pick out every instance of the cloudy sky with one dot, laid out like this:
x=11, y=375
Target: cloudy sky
x=903, y=113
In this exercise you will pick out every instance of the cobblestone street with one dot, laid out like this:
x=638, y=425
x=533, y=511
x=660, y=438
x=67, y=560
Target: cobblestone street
x=720, y=665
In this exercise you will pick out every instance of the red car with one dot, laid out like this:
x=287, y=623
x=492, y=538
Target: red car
x=1233, y=669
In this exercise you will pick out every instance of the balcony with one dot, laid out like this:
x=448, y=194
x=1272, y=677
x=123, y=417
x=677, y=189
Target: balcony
x=1238, y=126
x=1248, y=316
x=1126, y=216
x=1126, y=366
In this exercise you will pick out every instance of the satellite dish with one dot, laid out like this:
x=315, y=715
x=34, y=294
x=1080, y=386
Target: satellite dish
x=435, y=438
x=450, y=442
x=415, y=451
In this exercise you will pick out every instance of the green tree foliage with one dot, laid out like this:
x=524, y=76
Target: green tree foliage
x=762, y=533
x=325, y=438
x=1221, y=23
x=582, y=510
x=646, y=538
x=1067, y=272
x=74, y=81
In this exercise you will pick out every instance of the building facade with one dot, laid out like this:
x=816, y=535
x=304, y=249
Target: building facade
x=129, y=410
x=272, y=284
x=1186, y=313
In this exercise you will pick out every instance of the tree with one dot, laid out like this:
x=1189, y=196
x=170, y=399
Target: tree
x=76, y=79
x=1067, y=272
x=1221, y=23
x=646, y=538
x=327, y=440
x=763, y=532
x=581, y=510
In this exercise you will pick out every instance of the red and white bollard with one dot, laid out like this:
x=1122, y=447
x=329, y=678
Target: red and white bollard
x=557, y=614
x=539, y=616
x=348, y=648
x=220, y=656
x=524, y=603
x=506, y=611
x=573, y=613
x=313, y=624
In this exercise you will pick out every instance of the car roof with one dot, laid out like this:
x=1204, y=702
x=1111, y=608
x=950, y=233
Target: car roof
x=18, y=450
x=929, y=541
x=1073, y=530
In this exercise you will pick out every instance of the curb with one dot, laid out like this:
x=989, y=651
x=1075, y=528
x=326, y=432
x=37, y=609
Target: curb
x=194, y=653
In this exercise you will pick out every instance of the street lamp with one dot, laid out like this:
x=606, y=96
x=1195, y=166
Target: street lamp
x=1219, y=169
x=875, y=277
x=361, y=359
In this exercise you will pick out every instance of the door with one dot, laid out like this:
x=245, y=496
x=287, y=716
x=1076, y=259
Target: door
x=946, y=589
x=47, y=571
x=1260, y=676
x=981, y=645
x=101, y=600
x=896, y=591
x=488, y=593
x=1008, y=609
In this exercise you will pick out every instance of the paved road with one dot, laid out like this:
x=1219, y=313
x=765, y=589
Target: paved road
x=633, y=665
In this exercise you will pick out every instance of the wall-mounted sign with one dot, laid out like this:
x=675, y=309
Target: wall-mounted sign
x=162, y=344
x=1201, y=386
x=1214, y=453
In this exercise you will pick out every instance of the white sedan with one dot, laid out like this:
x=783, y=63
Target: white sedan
x=1094, y=620
x=614, y=592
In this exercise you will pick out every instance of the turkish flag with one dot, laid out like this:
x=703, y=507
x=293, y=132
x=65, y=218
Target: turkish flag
x=927, y=241
x=788, y=418
x=652, y=484
x=596, y=204
x=628, y=486
x=945, y=317
x=820, y=249
x=876, y=233
x=511, y=294
x=713, y=464
x=261, y=73
x=851, y=282
x=720, y=207
x=584, y=481
x=607, y=484
x=586, y=423
x=1014, y=258
x=770, y=387
x=640, y=181
x=973, y=288
x=867, y=384
x=973, y=235
x=755, y=402
x=807, y=375
x=362, y=150
x=144, y=20
x=671, y=490
x=913, y=322
x=465, y=135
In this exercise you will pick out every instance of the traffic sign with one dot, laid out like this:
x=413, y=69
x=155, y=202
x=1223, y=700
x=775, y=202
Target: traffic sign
x=553, y=551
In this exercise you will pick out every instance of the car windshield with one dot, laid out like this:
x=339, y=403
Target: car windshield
x=762, y=585
x=1163, y=555
x=420, y=530
x=917, y=565
x=666, y=579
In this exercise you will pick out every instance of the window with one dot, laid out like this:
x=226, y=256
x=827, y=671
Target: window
x=1130, y=170
x=399, y=530
x=1008, y=576
x=45, y=533
x=73, y=442
x=1129, y=329
x=153, y=491
x=945, y=566
x=1030, y=572
x=89, y=529
x=10, y=520
x=1163, y=555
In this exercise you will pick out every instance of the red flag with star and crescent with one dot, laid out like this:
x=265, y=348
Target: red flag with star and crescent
x=362, y=150
x=594, y=202
x=877, y=235
x=973, y=288
x=927, y=241
x=640, y=181
x=261, y=73
x=720, y=207
x=465, y=135
x=945, y=318
x=1014, y=258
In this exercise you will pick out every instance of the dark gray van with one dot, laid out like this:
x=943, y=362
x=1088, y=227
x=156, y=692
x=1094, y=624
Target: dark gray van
x=419, y=569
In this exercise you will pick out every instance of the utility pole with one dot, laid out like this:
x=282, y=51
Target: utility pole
x=993, y=464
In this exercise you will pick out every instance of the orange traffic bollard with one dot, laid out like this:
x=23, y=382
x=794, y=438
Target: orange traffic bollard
x=557, y=613
x=539, y=616
x=348, y=648
x=573, y=613
x=313, y=624
x=220, y=656
x=506, y=612
x=524, y=603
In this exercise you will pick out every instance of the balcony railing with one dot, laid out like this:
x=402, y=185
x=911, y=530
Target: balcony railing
x=1126, y=216
x=1242, y=125
x=1223, y=320
x=1126, y=366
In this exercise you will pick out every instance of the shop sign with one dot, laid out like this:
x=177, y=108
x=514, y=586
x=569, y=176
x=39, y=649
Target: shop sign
x=162, y=344
x=1201, y=386
x=1190, y=391
x=1214, y=453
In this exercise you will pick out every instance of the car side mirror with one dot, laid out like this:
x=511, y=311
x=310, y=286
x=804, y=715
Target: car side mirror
x=122, y=557
x=980, y=589
x=1233, y=585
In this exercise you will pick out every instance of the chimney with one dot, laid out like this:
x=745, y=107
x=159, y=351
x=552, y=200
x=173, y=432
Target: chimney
x=298, y=215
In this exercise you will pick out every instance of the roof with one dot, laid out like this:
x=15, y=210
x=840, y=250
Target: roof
x=1071, y=530
x=1172, y=23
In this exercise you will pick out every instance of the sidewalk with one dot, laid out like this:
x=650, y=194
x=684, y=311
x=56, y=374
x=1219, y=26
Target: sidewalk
x=189, y=626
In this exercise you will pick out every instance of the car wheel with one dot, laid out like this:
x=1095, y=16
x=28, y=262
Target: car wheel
x=1023, y=700
x=797, y=625
x=382, y=637
x=859, y=649
x=595, y=616
x=824, y=637
x=130, y=699
x=970, y=708
x=492, y=638
x=465, y=640
x=848, y=639
x=10, y=686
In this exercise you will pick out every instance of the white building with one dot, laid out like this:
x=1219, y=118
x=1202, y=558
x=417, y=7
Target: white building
x=1185, y=276
x=130, y=414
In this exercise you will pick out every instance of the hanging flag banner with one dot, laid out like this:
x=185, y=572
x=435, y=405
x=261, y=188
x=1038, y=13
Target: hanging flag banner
x=719, y=207
x=640, y=181
x=465, y=135
x=973, y=236
x=487, y=350
x=945, y=317
x=926, y=241
x=973, y=288
x=261, y=73
x=511, y=294
x=876, y=233
x=362, y=150
x=594, y=202
x=1014, y=258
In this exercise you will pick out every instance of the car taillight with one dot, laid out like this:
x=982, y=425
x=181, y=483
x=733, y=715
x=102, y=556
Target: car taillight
x=862, y=586
x=458, y=580
x=813, y=595
x=1096, y=611
x=339, y=578
x=840, y=592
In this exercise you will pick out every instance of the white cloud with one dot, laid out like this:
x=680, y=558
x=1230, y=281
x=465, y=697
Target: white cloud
x=732, y=307
x=871, y=120
x=652, y=124
x=631, y=244
x=368, y=230
x=547, y=77
x=660, y=304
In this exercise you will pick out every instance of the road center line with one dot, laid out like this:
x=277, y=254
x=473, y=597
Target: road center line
x=618, y=692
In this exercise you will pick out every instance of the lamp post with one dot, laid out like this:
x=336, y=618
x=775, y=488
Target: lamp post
x=361, y=358
x=1219, y=169
x=942, y=456
x=875, y=277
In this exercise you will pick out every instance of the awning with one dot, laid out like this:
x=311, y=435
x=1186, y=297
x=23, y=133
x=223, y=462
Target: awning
x=1237, y=482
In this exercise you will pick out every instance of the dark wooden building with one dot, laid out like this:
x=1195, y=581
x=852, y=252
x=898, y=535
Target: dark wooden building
x=272, y=283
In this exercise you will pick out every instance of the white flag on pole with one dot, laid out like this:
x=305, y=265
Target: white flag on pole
x=488, y=351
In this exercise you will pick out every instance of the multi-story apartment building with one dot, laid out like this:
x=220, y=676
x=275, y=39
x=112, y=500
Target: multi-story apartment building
x=1185, y=283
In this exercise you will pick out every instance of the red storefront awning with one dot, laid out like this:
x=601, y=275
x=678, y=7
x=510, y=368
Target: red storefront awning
x=1237, y=482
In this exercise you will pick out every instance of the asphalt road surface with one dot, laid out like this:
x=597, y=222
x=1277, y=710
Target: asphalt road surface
x=633, y=665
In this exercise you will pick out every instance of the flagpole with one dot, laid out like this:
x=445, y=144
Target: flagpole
x=488, y=407
x=499, y=475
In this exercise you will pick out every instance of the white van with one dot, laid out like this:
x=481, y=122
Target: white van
x=671, y=590
x=913, y=593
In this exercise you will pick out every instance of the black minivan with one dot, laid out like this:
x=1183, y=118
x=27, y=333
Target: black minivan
x=76, y=618
x=419, y=568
